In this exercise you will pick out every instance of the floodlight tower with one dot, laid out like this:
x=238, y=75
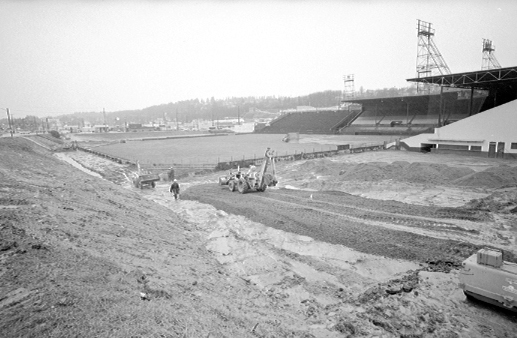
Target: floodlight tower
x=429, y=60
x=489, y=61
x=349, y=92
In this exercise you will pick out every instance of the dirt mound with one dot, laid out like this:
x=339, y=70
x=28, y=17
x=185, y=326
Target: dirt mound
x=494, y=177
x=500, y=201
x=417, y=172
x=320, y=167
x=413, y=172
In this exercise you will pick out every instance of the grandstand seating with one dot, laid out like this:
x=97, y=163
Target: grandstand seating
x=398, y=115
x=307, y=122
x=420, y=112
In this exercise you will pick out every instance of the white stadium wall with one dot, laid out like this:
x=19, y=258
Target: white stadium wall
x=491, y=133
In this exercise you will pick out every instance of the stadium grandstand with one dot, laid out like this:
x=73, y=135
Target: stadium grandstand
x=461, y=95
x=307, y=121
x=410, y=115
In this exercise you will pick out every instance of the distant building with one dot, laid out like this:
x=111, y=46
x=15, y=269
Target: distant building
x=70, y=129
x=100, y=128
x=138, y=127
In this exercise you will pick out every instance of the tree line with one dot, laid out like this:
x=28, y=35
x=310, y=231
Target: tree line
x=211, y=109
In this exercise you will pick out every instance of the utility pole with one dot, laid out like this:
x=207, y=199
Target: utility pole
x=9, y=122
x=238, y=115
x=13, y=124
x=212, y=107
x=177, y=121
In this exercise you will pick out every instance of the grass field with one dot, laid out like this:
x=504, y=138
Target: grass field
x=230, y=147
x=113, y=136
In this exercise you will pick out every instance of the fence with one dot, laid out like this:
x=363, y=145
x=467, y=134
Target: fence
x=341, y=149
x=182, y=168
x=110, y=157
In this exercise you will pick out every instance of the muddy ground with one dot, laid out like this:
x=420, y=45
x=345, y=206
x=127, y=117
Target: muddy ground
x=358, y=245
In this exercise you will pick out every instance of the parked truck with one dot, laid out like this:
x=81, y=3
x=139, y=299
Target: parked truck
x=144, y=178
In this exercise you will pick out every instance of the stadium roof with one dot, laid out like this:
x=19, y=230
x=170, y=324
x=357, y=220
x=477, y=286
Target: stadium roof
x=481, y=79
x=424, y=98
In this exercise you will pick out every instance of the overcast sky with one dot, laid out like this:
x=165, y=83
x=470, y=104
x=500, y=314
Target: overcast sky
x=59, y=57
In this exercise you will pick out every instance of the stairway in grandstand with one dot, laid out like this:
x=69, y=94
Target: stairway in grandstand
x=347, y=120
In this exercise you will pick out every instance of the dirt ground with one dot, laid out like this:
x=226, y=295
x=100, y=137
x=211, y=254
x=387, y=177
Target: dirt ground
x=358, y=245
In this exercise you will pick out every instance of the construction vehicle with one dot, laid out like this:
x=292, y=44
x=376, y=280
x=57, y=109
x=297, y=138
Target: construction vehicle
x=485, y=276
x=252, y=180
x=231, y=179
x=144, y=178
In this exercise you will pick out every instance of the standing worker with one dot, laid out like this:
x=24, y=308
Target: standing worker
x=175, y=189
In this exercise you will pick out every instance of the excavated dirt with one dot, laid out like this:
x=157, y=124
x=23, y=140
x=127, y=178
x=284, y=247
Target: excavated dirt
x=359, y=245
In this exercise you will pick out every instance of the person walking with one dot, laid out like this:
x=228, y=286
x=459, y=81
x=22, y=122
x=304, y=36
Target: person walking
x=175, y=189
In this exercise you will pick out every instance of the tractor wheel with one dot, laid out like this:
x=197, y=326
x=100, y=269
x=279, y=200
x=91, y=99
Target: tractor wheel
x=264, y=186
x=242, y=186
x=270, y=180
x=231, y=186
x=137, y=183
x=223, y=181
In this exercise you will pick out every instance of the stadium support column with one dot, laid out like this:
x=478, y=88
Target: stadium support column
x=471, y=101
x=407, y=111
x=440, y=112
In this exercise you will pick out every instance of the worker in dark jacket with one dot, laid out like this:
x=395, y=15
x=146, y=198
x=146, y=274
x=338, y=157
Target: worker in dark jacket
x=175, y=189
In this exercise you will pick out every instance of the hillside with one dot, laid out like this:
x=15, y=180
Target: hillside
x=77, y=252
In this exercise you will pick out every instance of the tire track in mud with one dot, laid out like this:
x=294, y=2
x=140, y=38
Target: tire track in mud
x=359, y=213
x=390, y=207
x=419, y=226
x=324, y=224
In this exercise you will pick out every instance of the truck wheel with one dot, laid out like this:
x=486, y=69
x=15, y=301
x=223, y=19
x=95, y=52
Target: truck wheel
x=153, y=184
x=469, y=296
x=242, y=186
x=231, y=186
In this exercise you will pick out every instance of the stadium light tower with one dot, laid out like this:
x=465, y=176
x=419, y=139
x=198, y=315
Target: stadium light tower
x=349, y=92
x=489, y=61
x=429, y=60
